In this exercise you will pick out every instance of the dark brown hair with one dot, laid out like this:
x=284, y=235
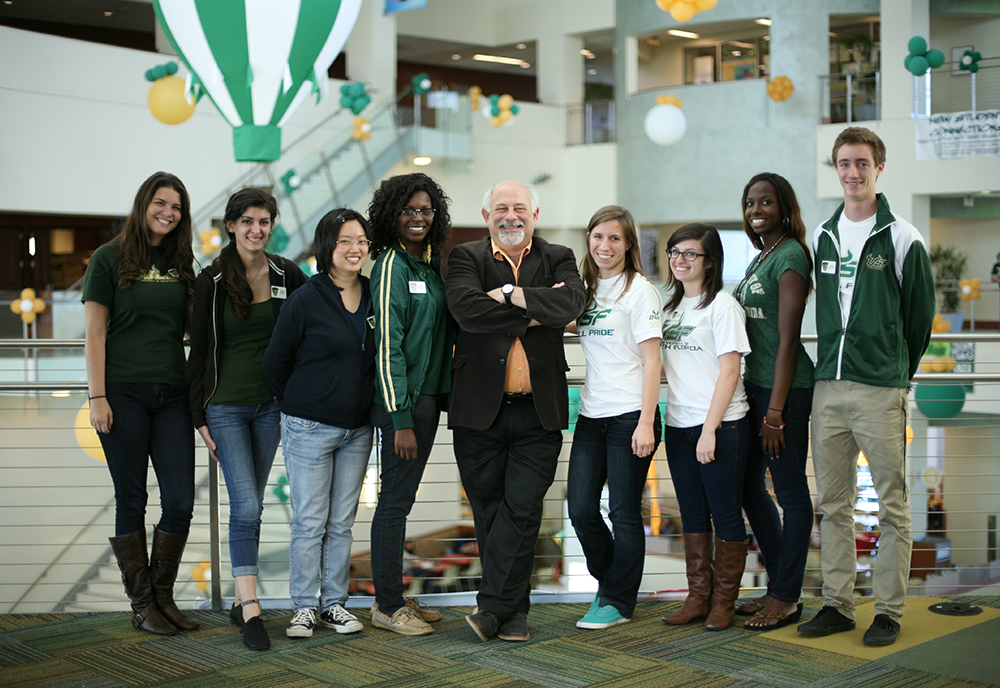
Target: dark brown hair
x=860, y=135
x=791, y=216
x=711, y=244
x=633, y=263
x=229, y=263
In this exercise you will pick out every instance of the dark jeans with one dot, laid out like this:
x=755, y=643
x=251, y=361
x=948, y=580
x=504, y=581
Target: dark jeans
x=150, y=421
x=506, y=471
x=399, y=482
x=246, y=439
x=602, y=453
x=784, y=548
x=710, y=493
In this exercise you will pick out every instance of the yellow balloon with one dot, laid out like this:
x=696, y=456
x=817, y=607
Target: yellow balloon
x=505, y=115
x=974, y=283
x=496, y=121
x=669, y=99
x=780, y=88
x=975, y=295
x=86, y=436
x=664, y=4
x=925, y=366
x=681, y=11
x=705, y=5
x=949, y=364
x=505, y=101
x=167, y=102
x=909, y=434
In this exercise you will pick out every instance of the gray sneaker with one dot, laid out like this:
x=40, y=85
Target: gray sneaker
x=404, y=621
x=302, y=624
x=340, y=620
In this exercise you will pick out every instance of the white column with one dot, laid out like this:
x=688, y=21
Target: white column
x=901, y=21
x=560, y=69
x=371, y=50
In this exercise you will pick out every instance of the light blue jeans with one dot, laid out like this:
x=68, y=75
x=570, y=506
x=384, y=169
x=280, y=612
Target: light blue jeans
x=246, y=438
x=326, y=468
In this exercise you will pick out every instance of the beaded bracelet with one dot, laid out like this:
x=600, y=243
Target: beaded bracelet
x=773, y=427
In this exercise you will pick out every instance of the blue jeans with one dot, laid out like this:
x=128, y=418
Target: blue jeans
x=602, y=452
x=151, y=421
x=399, y=482
x=326, y=468
x=246, y=438
x=710, y=493
x=784, y=548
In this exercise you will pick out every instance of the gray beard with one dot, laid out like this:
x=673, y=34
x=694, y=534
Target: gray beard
x=511, y=238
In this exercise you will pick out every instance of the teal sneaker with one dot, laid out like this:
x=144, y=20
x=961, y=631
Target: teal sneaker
x=593, y=605
x=602, y=617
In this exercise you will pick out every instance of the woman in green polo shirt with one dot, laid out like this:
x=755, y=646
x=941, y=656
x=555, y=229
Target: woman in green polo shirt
x=136, y=296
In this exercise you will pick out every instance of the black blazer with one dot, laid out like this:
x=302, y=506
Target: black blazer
x=487, y=329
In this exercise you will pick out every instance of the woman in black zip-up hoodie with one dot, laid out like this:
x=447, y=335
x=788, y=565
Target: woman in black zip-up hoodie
x=236, y=305
x=321, y=366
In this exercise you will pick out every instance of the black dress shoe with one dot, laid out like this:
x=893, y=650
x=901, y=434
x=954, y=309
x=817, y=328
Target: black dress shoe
x=484, y=623
x=255, y=635
x=514, y=629
x=827, y=622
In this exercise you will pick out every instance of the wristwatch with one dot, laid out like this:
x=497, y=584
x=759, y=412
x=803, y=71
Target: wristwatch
x=507, y=290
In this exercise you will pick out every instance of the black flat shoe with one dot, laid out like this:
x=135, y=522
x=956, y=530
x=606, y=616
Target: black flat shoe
x=255, y=635
x=236, y=616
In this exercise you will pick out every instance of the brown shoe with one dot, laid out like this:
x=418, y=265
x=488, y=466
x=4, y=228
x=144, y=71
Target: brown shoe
x=698, y=556
x=424, y=612
x=130, y=552
x=730, y=562
x=164, y=560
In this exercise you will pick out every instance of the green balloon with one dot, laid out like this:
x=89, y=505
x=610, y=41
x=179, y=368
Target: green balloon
x=974, y=67
x=917, y=45
x=940, y=400
x=357, y=89
x=345, y=89
x=935, y=58
x=494, y=99
x=495, y=110
x=514, y=109
x=346, y=102
x=150, y=76
x=171, y=68
x=159, y=71
x=919, y=65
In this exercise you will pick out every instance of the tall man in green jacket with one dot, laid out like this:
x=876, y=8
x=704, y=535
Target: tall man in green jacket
x=874, y=309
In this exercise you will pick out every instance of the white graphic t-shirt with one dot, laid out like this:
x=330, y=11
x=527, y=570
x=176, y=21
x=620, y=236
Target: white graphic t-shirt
x=853, y=236
x=693, y=340
x=611, y=330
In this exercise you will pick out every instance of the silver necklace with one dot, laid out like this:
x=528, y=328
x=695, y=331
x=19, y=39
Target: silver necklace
x=765, y=254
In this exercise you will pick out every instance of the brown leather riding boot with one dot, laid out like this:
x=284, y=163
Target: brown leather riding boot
x=730, y=562
x=698, y=557
x=130, y=551
x=164, y=560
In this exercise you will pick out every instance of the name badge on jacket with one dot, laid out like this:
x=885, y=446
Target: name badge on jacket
x=418, y=287
x=278, y=293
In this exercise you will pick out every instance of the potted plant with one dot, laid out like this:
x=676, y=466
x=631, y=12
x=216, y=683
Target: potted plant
x=949, y=264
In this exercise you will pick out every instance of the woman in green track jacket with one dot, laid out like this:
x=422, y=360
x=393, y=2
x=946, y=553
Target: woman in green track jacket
x=414, y=335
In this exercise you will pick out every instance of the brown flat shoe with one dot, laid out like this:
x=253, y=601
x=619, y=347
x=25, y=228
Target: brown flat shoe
x=753, y=606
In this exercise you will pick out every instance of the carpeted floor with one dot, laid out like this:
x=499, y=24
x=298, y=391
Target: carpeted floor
x=102, y=649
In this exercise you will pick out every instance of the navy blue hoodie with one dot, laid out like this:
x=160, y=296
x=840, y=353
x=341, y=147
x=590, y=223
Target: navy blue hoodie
x=316, y=364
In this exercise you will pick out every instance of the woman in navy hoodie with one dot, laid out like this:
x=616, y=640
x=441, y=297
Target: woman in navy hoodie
x=321, y=366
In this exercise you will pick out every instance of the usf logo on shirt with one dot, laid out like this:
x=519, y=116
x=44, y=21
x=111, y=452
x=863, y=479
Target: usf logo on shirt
x=154, y=275
x=593, y=315
x=848, y=265
x=675, y=331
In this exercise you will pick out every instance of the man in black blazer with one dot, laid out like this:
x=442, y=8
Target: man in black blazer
x=511, y=295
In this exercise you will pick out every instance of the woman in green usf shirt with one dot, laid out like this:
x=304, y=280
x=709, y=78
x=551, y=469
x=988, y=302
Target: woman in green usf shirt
x=136, y=296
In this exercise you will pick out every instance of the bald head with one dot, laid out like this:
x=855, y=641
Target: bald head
x=511, y=209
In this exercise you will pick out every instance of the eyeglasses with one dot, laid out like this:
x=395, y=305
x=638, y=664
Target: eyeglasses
x=410, y=213
x=348, y=243
x=689, y=256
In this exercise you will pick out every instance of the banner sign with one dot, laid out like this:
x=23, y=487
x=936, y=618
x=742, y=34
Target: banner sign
x=958, y=135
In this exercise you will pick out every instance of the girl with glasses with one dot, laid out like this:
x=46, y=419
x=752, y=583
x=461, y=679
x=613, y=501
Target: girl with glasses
x=707, y=437
x=414, y=334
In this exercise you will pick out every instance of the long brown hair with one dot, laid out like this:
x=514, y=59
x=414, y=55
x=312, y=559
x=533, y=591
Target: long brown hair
x=633, y=263
x=175, y=249
x=229, y=263
x=711, y=244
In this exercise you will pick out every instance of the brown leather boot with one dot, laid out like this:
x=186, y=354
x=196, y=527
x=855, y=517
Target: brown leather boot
x=130, y=551
x=698, y=557
x=164, y=559
x=730, y=561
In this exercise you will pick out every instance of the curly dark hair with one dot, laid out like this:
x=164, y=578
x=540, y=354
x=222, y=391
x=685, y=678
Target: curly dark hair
x=388, y=201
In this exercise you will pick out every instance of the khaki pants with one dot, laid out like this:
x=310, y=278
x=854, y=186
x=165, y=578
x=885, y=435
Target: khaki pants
x=848, y=417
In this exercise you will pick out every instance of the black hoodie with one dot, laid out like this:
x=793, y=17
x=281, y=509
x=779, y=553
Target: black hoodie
x=316, y=364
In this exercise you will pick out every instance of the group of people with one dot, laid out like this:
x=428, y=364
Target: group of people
x=319, y=363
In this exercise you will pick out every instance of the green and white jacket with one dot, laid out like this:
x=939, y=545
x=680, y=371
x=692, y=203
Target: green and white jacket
x=889, y=325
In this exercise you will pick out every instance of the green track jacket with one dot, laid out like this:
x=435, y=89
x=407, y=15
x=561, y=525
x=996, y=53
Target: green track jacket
x=408, y=295
x=892, y=309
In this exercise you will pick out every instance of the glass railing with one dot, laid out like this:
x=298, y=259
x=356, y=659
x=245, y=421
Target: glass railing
x=57, y=502
x=850, y=97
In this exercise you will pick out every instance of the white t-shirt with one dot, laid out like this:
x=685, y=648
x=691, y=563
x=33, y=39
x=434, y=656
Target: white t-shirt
x=611, y=330
x=853, y=236
x=692, y=342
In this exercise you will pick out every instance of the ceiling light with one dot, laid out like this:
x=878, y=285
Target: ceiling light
x=736, y=53
x=63, y=392
x=8, y=2
x=592, y=72
x=422, y=160
x=587, y=54
x=521, y=46
x=499, y=60
x=525, y=65
x=456, y=56
x=108, y=14
x=683, y=34
x=762, y=22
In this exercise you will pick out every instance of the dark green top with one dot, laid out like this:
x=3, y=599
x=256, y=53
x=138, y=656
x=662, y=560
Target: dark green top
x=758, y=293
x=146, y=322
x=241, y=361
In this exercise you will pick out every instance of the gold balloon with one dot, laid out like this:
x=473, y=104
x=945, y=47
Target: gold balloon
x=780, y=88
x=669, y=99
x=704, y=5
x=505, y=101
x=167, y=102
x=664, y=4
x=681, y=11
x=505, y=115
x=86, y=436
x=496, y=121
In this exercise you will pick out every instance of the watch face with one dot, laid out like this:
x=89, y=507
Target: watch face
x=507, y=288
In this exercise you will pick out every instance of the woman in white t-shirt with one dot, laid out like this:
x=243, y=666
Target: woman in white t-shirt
x=619, y=427
x=707, y=436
